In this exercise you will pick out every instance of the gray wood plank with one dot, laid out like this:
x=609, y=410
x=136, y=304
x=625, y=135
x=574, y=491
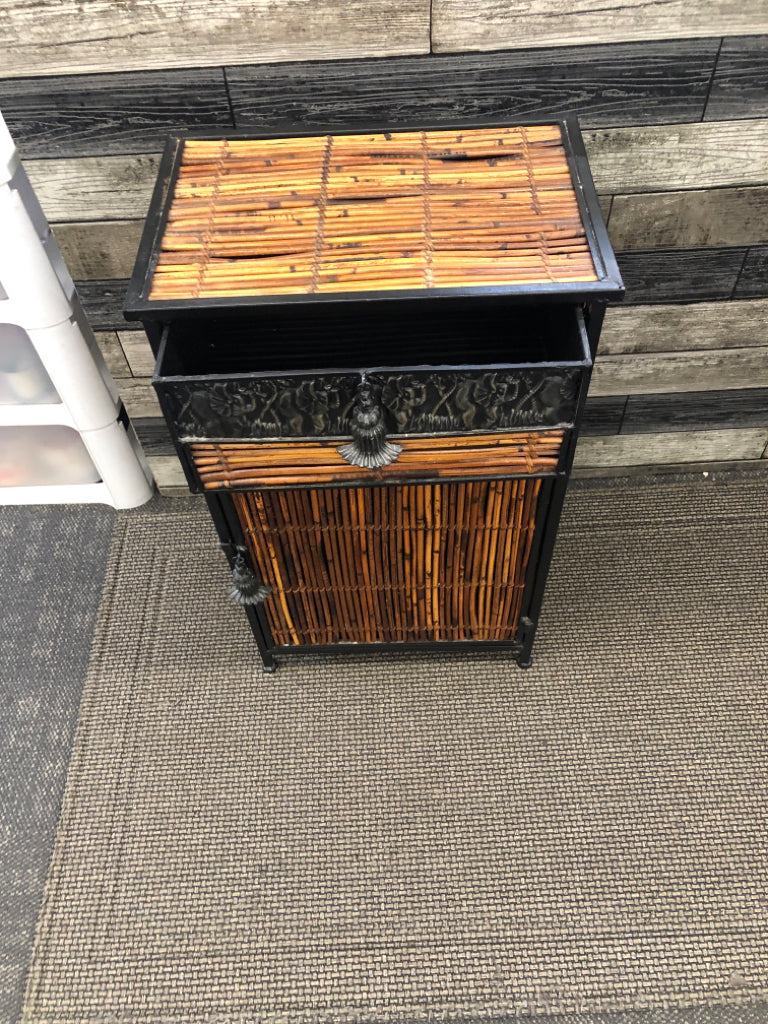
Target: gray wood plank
x=495, y=24
x=740, y=85
x=169, y=476
x=41, y=39
x=683, y=446
x=154, y=436
x=603, y=415
x=667, y=220
x=669, y=328
x=670, y=469
x=103, y=302
x=753, y=279
x=666, y=158
x=139, y=399
x=99, y=249
x=676, y=372
x=624, y=160
x=697, y=410
x=82, y=115
x=680, y=275
x=137, y=352
x=109, y=345
x=635, y=83
x=94, y=187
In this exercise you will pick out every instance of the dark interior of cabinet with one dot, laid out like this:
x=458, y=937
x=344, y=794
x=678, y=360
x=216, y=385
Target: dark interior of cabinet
x=304, y=338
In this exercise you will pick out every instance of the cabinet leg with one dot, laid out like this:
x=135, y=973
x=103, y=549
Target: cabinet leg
x=527, y=632
x=269, y=663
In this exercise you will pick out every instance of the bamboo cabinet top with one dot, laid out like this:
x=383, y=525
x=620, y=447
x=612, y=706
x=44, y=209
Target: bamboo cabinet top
x=503, y=210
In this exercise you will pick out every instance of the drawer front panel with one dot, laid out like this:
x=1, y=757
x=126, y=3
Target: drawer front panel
x=222, y=466
x=426, y=562
x=321, y=405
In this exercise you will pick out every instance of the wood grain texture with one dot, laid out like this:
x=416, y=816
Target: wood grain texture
x=753, y=279
x=495, y=24
x=603, y=415
x=42, y=37
x=666, y=158
x=99, y=249
x=680, y=275
x=95, y=115
x=103, y=303
x=635, y=83
x=685, y=446
x=139, y=398
x=666, y=220
x=697, y=410
x=169, y=476
x=675, y=372
x=109, y=346
x=154, y=436
x=740, y=85
x=669, y=328
x=137, y=352
x=94, y=187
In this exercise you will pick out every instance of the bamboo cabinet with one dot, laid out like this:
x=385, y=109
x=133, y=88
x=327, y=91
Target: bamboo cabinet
x=373, y=352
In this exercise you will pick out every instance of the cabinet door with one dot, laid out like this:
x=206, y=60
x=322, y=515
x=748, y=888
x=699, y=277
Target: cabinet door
x=392, y=564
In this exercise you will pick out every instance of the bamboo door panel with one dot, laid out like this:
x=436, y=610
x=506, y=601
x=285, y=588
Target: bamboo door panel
x=392, y=564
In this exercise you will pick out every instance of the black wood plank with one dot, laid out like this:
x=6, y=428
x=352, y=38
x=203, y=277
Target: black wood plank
x=753, y=279
x=103, y=303
x=84, y=115
x=621, y=84
x=740, y=86
x=680, y=275
x=696, y=410
x=603, y=415
x=154, y=435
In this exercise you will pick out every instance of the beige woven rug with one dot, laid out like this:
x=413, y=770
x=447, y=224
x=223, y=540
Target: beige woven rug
x=424, y=837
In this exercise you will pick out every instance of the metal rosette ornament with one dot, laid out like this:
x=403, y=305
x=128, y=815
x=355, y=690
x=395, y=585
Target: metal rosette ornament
x=369, y=446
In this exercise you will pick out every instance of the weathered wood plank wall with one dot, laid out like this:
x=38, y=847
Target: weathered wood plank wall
x=673, y=100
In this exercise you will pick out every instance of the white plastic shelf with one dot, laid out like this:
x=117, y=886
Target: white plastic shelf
x=62, y=438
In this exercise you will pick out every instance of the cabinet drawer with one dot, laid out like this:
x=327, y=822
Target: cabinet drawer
x=247, y=466
x=452, y=370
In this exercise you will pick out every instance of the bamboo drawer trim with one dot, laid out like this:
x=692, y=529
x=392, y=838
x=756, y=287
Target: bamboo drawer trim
x=385, y=211
x=224, y=466
x=443, y=561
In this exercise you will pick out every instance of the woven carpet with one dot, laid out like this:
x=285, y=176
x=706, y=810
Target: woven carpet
x=425, y=836
x=51, y=577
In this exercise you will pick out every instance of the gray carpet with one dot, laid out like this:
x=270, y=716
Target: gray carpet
x=418, y=837
x=51, y=578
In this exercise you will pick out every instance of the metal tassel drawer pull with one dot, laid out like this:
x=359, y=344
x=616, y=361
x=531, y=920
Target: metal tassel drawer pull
x=245, y=588
x=369, y=446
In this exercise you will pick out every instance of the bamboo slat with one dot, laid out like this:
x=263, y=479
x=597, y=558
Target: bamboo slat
x=224, y=466
x=372, y=212
x=425, y=562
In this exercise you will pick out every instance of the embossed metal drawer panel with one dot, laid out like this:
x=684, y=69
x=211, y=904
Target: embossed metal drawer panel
x=448, y=370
